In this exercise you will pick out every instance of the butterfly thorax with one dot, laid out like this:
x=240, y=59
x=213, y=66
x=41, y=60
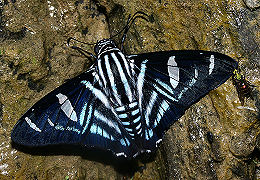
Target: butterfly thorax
x=117, y=82
x=104, y=45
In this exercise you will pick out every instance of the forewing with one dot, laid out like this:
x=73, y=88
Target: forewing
x=75, y=113
x=170, y=82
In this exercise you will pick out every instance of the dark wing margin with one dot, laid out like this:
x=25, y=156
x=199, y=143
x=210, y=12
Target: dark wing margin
x=73, y=114
x=172, y=82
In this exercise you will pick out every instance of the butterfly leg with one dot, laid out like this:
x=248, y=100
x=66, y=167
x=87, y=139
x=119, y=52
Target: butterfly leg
x=80, y=50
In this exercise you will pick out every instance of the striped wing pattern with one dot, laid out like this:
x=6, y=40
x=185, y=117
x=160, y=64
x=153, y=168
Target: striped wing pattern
x=72, y=114
x=123, y=104
x=173, y=81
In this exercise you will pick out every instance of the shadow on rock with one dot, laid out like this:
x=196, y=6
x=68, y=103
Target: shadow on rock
x=120, y=164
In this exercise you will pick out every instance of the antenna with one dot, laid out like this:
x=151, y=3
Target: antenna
x=130, y=20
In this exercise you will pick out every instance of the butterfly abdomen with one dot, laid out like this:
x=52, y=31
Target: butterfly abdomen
x=130, y=117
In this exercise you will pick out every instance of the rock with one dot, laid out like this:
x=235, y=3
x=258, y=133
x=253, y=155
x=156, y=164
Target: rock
x=252, y=4
x=242, y=145
x=1, y=112
x=258, y=142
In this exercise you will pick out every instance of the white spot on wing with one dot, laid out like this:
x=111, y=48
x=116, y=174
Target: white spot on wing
x=173, y=71
x=73, y=129
x=158, y=141
x=69, y=111
x=61, y=98
x=50, y=122
x=121, y=154
x=67, y=107
x=196, y=74
x=132, y=65
x=129, y=130
x=105, y=134
x=140, y=130
x=148, y=134
x=59, y=127
x=99, y=131
x=211, y=65
x=32, y=125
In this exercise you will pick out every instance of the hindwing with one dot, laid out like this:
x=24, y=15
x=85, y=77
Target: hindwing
x=171, y=81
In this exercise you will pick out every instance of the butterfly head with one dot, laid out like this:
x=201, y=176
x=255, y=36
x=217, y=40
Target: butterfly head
x=104, y=45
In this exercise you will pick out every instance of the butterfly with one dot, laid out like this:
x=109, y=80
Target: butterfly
x=123, y=103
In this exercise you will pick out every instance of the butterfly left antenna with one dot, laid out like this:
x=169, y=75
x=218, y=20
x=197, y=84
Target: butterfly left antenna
x=80, y=50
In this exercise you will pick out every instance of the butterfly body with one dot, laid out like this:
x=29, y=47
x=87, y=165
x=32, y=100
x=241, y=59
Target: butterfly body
x=117, y=82
x=123, y=103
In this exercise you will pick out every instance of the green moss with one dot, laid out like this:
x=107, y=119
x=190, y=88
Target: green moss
x=34, y=61
x=2, y=52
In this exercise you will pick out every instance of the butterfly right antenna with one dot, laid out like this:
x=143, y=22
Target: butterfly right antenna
x=138, y=14
x=130, y=20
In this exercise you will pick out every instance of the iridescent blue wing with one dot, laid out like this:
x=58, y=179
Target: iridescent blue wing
x=78, y=112
x=75, y=113
x=171, y=81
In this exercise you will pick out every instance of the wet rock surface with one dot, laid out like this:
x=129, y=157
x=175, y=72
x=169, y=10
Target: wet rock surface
x=252, y=4
x=217, y=138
